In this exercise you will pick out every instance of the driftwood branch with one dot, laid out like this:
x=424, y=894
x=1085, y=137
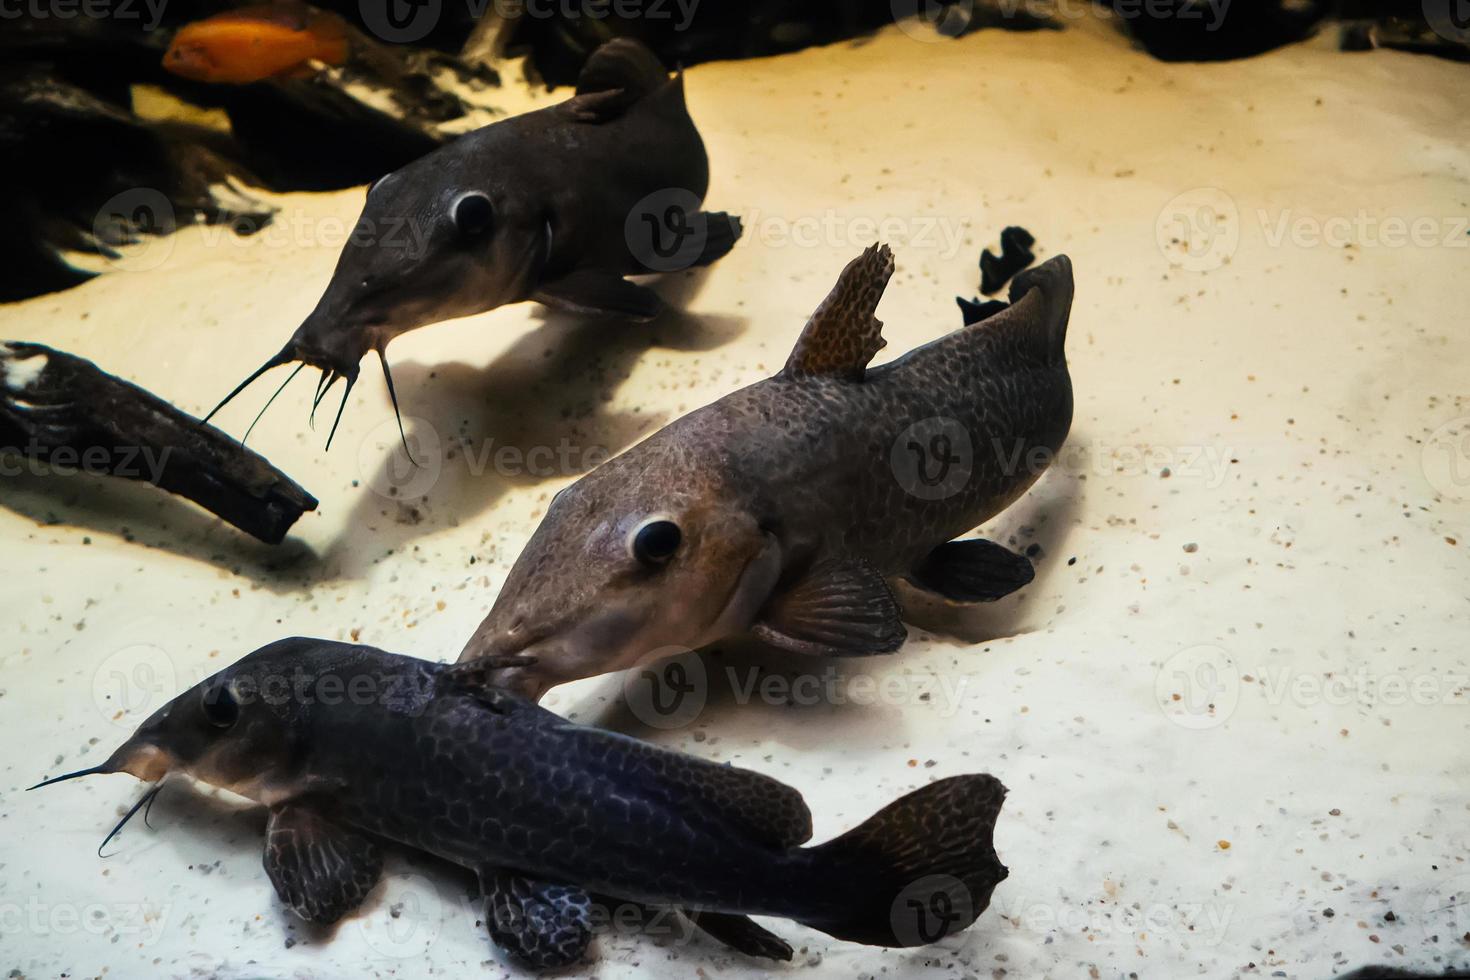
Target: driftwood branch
x=66, y=412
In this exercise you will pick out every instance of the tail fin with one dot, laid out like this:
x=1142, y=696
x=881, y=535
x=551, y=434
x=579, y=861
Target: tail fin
x=919, y=869
x=622, y=64
x=1041, y=303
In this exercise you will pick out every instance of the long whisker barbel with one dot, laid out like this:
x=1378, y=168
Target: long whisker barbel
x=149, y=808
x=284, y=357
x=393, y=396
x=93, y=771
x=142, y=802
x=338, y=420
x=261, y=414
x=323, y=385
x=328, y=379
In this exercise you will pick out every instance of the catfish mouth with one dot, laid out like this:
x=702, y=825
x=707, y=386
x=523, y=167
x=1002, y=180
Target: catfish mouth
x=335, y=365
x=535, y=665
x=523, y=678
x=587, y=648
x=531, y=662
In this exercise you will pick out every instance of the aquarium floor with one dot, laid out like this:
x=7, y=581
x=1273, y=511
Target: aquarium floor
x=1231, y=709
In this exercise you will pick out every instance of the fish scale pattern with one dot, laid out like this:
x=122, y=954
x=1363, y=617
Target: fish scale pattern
x=517, y=787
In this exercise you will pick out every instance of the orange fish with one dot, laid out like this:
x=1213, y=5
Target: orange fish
x=254, y=43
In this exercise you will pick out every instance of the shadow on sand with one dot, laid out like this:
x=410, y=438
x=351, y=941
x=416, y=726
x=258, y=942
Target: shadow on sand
x=540, y=412
x=144, y=515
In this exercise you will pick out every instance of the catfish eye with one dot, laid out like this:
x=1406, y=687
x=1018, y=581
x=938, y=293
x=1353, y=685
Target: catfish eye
x=472, y=214
x=220, y=707
x=656, y=541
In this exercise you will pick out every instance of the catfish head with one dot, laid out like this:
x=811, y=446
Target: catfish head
x=251, y=727
x=437, y=239
x=648, y=555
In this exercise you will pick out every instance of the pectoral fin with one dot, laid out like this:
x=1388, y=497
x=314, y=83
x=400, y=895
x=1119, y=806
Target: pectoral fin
x=599, y=293
x=721, y=232
x=974, y=570
x=321, y=870
x=841, y=607
x=742, y=934
x=539, y=925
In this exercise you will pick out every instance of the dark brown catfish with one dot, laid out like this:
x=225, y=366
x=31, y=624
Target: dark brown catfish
x=349, y=746
x=556, y=205
x=783, y=509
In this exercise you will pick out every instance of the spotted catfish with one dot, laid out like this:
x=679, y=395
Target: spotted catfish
x=785, y=508
x=349, y=746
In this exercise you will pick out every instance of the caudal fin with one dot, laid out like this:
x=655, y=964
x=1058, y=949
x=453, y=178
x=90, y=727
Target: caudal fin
x=919, y=869
x=1041, y=305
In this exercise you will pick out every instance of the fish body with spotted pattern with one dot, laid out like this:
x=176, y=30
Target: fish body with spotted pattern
x=349, y=747
x=786, y=509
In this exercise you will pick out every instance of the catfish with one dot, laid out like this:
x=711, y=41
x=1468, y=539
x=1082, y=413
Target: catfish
x=350, y=748
x=556, y=205
x=786, y=510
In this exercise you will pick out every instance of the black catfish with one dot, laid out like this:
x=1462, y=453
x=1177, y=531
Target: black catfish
x=555, y=205
x=349, y=746
x=786, y=508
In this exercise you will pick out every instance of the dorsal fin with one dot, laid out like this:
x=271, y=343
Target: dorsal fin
x=843, y=334
x=616, y=75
